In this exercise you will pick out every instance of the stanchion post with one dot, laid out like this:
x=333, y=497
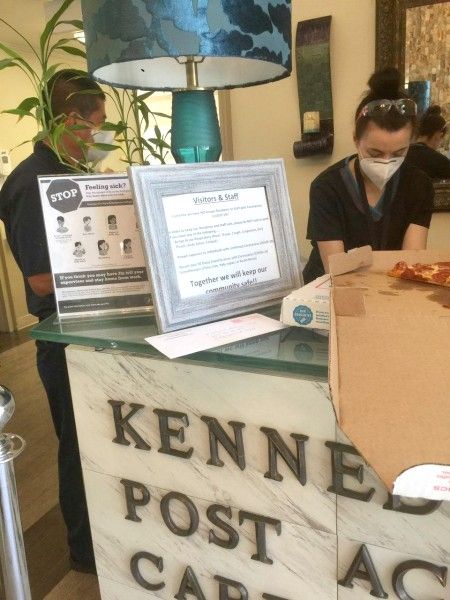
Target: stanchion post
x=14, y=565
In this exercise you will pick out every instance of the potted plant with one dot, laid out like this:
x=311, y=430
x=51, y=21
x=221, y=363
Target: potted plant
x=134, y=114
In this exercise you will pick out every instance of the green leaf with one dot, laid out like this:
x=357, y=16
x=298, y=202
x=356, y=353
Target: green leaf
x=144, y=96
x=7, y=62
x=75, y=22
x=159, y=142
x=17, y=111
x=41, y=135
x=119, y=127
x=23, y=143
x=28, y=104
x=102, y=146
x=49, y=73
x=10, y=52
x=158, y=114
x=73, y=51
x=87, y=92
x=52, y=23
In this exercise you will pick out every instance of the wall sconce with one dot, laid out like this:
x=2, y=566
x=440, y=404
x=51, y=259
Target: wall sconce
x=189, y=47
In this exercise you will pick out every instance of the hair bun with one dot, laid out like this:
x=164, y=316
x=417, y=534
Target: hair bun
x=434, y=110
x=385, y=83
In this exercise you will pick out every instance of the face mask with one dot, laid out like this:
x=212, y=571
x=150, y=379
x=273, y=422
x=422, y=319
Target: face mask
x=380, y=170
x=95, y=155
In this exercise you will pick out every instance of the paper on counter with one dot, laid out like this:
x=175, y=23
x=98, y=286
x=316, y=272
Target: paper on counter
x=203, y=337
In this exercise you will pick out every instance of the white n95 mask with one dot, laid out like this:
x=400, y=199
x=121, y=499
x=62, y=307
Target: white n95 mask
x=380, y=170
x=95, y=155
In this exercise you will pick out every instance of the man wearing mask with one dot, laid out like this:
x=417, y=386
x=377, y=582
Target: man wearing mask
x=21, y=211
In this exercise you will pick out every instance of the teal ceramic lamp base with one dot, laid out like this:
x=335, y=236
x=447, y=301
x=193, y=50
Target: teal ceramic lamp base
x=195, y=127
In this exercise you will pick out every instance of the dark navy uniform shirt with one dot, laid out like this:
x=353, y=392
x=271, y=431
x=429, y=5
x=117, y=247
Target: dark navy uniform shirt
x=338, y=212
x=21, y=213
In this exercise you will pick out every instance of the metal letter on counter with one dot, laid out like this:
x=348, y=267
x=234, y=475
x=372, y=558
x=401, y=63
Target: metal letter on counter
x=14, y=566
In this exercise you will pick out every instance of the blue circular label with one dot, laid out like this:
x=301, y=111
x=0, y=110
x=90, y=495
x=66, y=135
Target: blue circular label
x=303, y=315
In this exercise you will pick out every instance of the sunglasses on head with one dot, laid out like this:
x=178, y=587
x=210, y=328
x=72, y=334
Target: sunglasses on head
x=404, y=106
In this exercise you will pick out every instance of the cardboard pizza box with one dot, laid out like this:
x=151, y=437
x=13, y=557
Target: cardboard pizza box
x=389, y=369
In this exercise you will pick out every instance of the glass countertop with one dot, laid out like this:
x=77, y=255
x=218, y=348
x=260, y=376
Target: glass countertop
x=291, y=351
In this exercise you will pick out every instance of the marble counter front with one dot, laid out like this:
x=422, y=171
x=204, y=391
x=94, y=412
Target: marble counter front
x=130, y=465
x=227, y=479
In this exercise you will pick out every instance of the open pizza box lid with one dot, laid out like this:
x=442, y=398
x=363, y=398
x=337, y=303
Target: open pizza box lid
x=389, y=369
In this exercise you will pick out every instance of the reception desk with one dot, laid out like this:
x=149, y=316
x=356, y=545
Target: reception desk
x=223, y=475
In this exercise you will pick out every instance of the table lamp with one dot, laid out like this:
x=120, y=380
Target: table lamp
x=189, y=47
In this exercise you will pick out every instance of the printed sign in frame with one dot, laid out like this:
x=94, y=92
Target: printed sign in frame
x=219, y=238
x=94, y=245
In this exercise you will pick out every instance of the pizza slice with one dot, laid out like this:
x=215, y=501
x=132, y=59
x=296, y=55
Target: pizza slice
x=437, y=273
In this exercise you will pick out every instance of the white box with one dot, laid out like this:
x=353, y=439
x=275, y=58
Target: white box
x=309, y=306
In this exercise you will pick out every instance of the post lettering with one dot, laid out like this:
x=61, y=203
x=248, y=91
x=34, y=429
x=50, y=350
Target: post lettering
x=167, y=432
x=134, y=567
x=191, y=509
x=225, y=584
x=122, y=425
x=260, y=530
x=233, y=536
x=400, y=571
x=218, y=434
x=189, y=585
x=338, y=470
x=277, y=446
x=131, y=499
x=370, y=574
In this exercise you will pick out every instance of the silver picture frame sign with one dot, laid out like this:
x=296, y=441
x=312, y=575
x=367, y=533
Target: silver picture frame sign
x=219, y=238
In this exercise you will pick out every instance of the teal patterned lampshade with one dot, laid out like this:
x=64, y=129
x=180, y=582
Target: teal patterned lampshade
x=177, y=45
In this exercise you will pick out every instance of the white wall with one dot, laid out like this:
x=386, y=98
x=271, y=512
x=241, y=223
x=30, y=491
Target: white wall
x=266, y=119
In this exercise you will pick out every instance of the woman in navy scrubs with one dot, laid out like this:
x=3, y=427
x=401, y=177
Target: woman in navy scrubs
x=372, y=197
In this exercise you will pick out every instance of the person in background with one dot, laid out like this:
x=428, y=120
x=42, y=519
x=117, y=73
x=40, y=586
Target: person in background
x=21, y=211
x=424, y=154
x=372, y=197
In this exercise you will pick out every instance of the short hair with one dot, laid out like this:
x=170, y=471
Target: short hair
x=65, y=94
x=126, y=241
x=86, y=218
x=110, y=217
x=100, y=242
x=60, y=219
x=432, y=122
x=383, y=85
x=77, y=244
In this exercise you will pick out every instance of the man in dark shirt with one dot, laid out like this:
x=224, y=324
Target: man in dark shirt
x=21, y=212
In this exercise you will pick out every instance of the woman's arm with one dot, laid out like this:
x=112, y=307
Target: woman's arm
x=415, y=237
x=328, y=248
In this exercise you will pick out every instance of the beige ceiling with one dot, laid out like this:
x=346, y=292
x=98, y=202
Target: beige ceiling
x=29, y=17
